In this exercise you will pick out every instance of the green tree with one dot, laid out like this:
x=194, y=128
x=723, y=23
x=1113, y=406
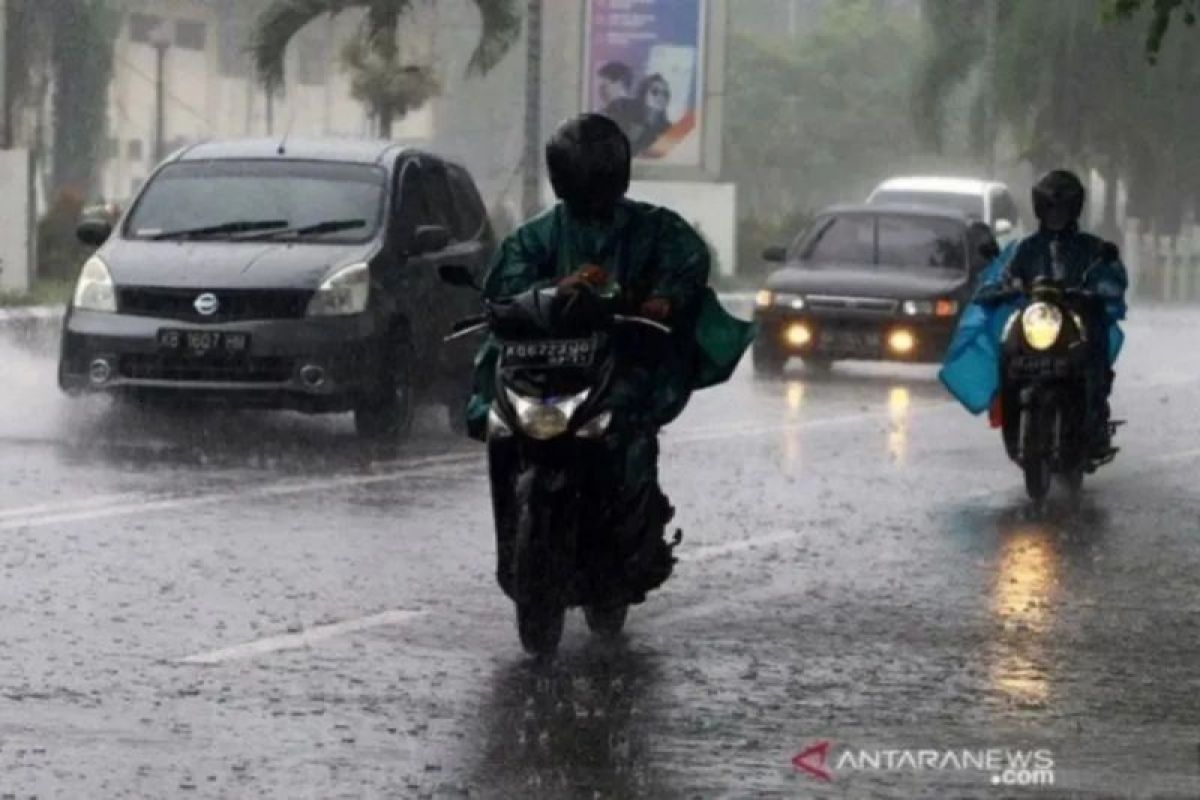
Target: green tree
x=1073, y=90
x=64, y=48
x=388, y=86
x=819, y=120
x=1162, y=13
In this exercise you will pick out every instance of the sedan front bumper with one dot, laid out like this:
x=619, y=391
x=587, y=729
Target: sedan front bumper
x=856, y=336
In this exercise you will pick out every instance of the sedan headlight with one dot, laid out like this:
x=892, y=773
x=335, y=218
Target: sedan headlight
x=95, y=290
x=544, y=419
x=344, y=292
x=917, y=308
x=1042, y=324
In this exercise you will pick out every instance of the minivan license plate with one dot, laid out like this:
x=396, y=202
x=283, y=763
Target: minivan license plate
x=548, y=353
x=199, y=344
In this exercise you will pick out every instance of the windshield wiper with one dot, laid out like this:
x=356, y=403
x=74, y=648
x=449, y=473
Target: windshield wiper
x=329, y=226
x=224, y=229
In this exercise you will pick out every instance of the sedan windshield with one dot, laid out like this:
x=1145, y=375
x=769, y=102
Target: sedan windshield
x=227, y=200
x=889, y=241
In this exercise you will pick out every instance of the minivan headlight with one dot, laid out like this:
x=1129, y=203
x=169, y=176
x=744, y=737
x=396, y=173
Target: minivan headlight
x=1042, y=324
x=344, y=292
x=95, y=290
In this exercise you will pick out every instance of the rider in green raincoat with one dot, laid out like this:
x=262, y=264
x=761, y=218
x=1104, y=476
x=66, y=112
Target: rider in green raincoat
x=651, y=257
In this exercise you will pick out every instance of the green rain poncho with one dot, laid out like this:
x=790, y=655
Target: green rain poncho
x=651, y=252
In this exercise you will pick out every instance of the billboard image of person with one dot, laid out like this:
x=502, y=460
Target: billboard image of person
x=655, y=46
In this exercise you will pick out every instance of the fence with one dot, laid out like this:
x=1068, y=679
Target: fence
x=1163, y=268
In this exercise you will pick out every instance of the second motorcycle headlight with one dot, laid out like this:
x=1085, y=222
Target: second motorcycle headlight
x=546, y=418
x=1042, y=324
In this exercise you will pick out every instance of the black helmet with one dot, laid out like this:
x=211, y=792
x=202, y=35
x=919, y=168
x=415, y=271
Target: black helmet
x=588, y=159
x=1058, y=199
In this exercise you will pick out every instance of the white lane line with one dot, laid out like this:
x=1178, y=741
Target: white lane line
x=305, y=638
x=430, y=467
x=64, y=505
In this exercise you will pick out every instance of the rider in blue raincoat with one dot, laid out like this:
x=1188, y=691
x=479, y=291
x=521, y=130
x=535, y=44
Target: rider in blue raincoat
x=1059, y=251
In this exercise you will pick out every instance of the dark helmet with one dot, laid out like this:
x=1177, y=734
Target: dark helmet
x=588, y=158
x=1058, y=199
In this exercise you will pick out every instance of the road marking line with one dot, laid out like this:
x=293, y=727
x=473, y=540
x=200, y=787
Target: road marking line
x=301, y=639
x=86, y=502
x=427, y=468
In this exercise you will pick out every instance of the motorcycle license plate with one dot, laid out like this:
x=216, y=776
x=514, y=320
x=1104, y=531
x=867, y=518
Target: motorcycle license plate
x=201, y=344
x=1038, y=367
x=849, y=341
x=548, y=354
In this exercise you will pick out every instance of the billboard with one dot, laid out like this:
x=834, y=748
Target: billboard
x=644, y=67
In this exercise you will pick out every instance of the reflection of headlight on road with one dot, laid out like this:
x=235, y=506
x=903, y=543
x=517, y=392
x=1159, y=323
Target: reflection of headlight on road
x=1042, y=324
x=545, y=419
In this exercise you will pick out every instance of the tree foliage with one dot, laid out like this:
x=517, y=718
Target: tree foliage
x=389, y=85
x=1073, y=90
x=1162, y=13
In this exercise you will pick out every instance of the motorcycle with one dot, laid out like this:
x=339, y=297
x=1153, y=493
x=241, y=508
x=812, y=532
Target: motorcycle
x=564, y=539
x=1043, y=407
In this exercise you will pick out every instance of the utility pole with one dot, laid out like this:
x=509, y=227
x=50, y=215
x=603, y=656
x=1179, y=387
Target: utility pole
x=991, y=117
x=531, y=186
x=5, y=118
x=161, y=41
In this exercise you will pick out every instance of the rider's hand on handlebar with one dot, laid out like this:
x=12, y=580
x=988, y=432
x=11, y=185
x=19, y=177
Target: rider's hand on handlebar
x=588, y=275
x=656, y=308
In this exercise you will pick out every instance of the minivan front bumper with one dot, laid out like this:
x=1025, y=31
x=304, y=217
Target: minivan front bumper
x=311, y=364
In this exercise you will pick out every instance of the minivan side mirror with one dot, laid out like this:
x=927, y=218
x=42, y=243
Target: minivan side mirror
x=1002, y=227
x=94, y=231
x=457, y=275
x=776, y=254
x=430, y=239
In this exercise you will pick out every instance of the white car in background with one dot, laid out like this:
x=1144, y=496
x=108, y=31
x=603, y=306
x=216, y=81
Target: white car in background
x=988, y=201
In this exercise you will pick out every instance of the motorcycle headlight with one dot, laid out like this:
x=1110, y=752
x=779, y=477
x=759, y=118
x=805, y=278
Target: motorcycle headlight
x=344, y=292
x=544, y=419
x=95, y=290
x=1042, y=324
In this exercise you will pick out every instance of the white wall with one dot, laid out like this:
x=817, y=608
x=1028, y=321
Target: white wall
x=16, y=234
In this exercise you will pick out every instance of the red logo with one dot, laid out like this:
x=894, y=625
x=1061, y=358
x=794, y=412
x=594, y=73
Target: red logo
x=812, y=760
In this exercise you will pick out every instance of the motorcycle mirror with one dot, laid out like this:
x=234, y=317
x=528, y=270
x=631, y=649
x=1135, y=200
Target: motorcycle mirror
x=457, y=275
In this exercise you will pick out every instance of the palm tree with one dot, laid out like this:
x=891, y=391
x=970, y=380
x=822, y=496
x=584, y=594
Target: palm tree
x=388, y=87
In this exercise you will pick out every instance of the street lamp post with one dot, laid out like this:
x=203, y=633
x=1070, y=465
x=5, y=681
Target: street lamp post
x=160, y=40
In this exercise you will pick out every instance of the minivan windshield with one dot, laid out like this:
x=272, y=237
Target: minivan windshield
x=887, y=240
x=233, y=200
x=969, y=204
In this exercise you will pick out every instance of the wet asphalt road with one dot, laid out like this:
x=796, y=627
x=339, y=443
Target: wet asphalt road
x=241, y=605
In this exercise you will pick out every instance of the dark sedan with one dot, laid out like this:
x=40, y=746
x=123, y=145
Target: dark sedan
x=300, y=275
x=869, y=282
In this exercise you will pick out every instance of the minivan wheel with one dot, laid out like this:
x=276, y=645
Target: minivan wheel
x=387, y=412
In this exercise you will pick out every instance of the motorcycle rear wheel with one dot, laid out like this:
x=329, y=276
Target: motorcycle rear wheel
x=607, y=620
x=540, y=628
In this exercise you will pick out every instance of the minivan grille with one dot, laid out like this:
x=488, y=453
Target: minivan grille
x=232, y=304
